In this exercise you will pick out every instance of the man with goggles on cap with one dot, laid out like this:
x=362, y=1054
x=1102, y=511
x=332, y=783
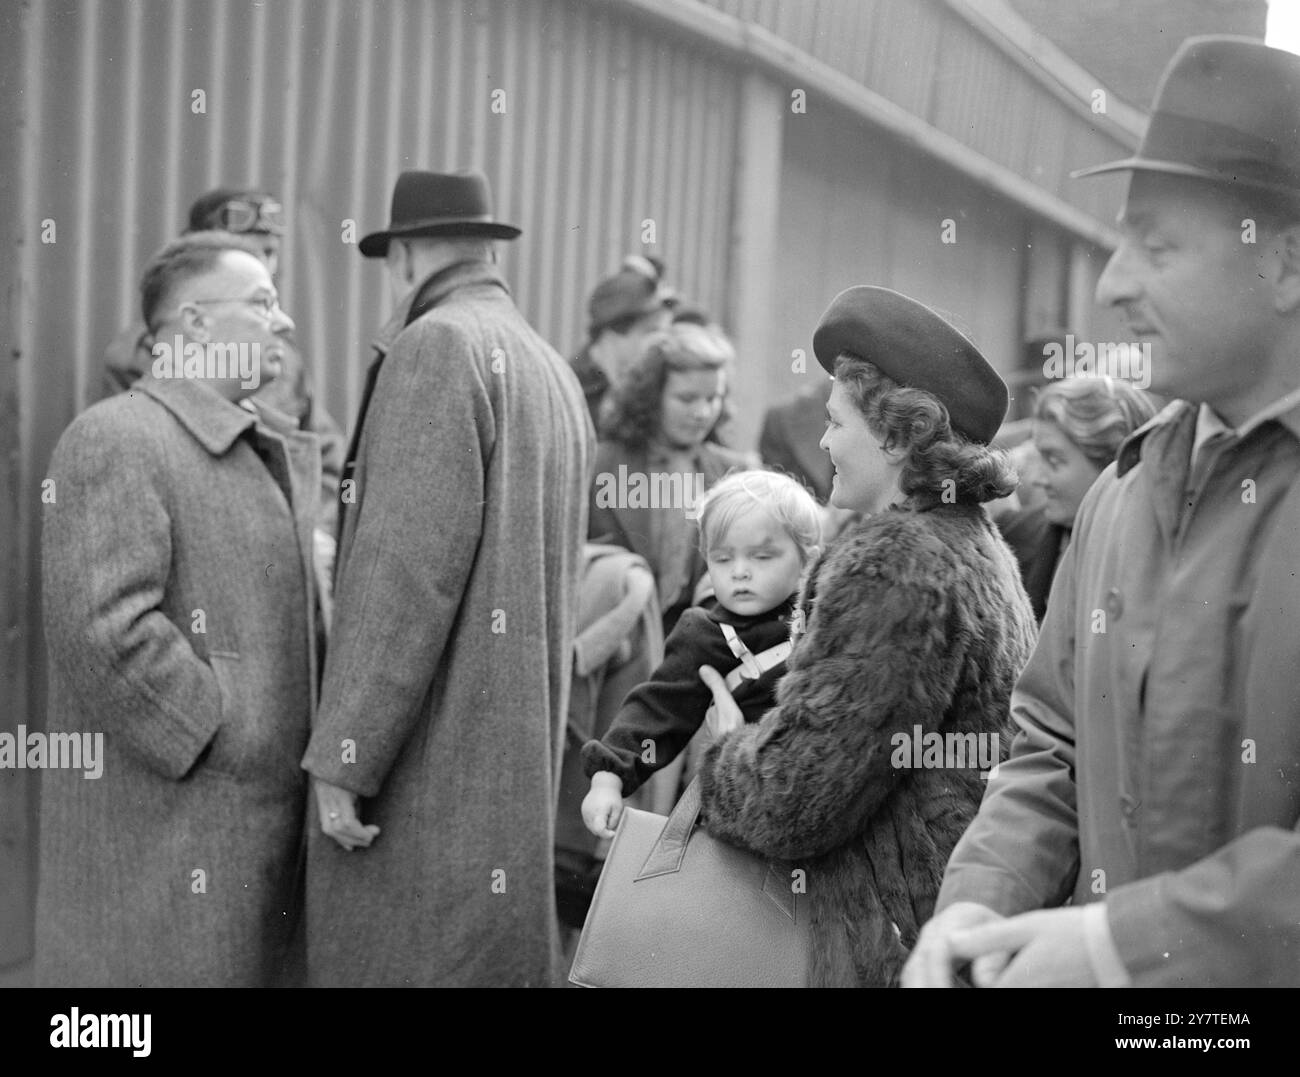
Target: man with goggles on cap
x=243, y=213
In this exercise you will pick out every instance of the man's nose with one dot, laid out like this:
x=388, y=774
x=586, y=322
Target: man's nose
x=281, y=322
x=1117, y=284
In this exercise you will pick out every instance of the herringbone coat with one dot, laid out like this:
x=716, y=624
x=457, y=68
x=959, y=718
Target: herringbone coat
x=178, y=616
x=446, y=686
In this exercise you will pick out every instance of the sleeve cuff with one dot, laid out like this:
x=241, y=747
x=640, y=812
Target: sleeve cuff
x=1106, y=964
x=596, y=756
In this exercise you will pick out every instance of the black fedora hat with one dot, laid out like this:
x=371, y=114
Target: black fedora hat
x=1228, y=110
x=438, y=204
x=916, y=347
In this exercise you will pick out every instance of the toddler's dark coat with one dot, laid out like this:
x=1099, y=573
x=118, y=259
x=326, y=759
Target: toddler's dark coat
x=669, y=708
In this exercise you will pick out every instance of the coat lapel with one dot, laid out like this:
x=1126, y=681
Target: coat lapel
x=1166, y=441
x=212, y=420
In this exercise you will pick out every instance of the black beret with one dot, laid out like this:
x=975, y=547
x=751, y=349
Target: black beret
x=916, y=347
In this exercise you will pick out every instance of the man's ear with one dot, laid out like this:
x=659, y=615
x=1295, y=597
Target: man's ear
x=194, y=323
x=398, y=259
x=408, y=264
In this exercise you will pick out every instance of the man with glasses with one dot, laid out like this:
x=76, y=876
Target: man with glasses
x=259, y=218
x=178, y=605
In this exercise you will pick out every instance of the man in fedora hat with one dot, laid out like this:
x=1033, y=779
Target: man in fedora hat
x=436, y=749
x=1155, y=777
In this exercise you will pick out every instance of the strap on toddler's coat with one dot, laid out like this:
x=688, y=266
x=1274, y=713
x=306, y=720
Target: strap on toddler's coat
x=752, y=666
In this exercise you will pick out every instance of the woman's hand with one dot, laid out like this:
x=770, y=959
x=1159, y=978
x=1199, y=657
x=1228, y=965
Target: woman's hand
x=603, y=804
x=725, y=714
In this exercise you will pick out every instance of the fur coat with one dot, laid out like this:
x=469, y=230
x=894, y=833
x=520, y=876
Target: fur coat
x=915, y=621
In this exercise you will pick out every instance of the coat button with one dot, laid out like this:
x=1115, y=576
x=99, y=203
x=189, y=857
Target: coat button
x=1128, y=806
x=1114, y=604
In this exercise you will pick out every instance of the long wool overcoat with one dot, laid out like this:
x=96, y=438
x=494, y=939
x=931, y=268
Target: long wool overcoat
x=178, y=616
x=446, y=686
x=917, y=625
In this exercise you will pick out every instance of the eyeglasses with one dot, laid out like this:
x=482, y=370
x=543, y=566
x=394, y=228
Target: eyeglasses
x=240, y=215
x=269, y=304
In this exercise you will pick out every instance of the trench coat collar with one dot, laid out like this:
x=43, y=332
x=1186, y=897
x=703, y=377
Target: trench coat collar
x=1181, y=412
x=435, y=288
x=212, y=420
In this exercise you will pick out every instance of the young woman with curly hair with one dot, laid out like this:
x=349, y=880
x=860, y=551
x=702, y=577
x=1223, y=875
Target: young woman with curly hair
x=915, y=627
x=655, y=458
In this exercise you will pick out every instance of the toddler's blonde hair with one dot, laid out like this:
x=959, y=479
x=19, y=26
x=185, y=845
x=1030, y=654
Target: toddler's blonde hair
x=785, y=499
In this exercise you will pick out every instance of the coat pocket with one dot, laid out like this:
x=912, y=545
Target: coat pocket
x=233, y=749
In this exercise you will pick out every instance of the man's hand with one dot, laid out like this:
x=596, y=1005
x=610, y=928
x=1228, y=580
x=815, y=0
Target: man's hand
x=338, y=816
x=1049, y=948
x=933, y=959
x=725, y=714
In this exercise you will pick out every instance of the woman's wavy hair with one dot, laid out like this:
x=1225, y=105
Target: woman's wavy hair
x=633, y=408
x=939, y=463
x=1096, y=414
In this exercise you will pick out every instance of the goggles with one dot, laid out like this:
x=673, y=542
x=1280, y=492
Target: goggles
x=240, y=215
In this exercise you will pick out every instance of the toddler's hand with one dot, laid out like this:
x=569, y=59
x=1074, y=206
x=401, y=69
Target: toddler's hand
x=603, y=804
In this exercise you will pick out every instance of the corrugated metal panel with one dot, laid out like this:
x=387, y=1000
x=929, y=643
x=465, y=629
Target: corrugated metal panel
x=605, y=126
x=852, y=214
x=924, y=57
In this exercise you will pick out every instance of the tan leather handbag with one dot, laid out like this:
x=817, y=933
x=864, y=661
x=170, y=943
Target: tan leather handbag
x=676, y=907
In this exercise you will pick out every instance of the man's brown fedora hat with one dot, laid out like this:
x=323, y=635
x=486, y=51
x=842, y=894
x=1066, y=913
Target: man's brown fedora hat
x=1227, y=109
x=438, y=204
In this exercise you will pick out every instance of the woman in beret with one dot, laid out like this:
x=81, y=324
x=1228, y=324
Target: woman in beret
x=915, y=627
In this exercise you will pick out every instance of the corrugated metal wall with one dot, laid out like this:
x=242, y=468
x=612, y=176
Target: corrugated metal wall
x=842, y=223
x=923, y=56
x=324, y=103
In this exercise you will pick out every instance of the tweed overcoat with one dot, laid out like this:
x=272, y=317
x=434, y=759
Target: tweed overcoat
x=446, y=686
x=916, y=621
x=178, y=617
